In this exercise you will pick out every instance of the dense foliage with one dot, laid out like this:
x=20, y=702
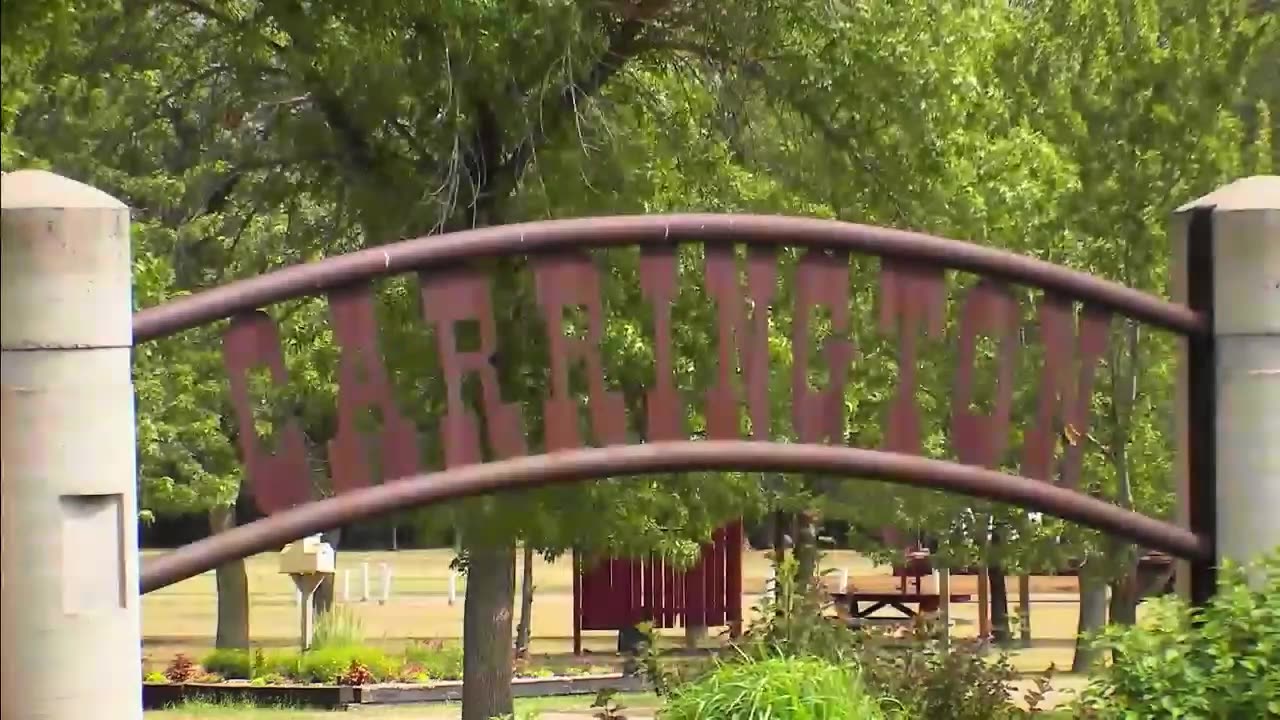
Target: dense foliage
x=1219, y=662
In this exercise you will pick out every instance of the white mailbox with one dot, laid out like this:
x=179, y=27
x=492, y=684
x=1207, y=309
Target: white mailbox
x=308, y=556
x=307, y=562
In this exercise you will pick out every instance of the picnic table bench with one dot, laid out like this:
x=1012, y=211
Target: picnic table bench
x=918, y=566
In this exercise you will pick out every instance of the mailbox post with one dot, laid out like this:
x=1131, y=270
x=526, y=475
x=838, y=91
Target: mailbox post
x=308, y=561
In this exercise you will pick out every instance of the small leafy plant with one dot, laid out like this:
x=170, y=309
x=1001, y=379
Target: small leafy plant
x=356, y=674
x=181, y=669
x=607, y=707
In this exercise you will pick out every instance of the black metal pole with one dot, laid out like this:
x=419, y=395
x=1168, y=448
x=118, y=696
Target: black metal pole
x=1202, y=420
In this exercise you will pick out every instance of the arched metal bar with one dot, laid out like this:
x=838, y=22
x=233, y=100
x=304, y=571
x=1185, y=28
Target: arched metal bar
x=667, y=457
x=545, y=236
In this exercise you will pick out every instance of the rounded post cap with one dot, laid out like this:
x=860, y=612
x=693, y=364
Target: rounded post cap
x=43, y=190
x=1258, y=192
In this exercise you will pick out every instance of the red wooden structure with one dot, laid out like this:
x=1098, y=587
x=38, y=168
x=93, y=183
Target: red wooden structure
x=618, y=593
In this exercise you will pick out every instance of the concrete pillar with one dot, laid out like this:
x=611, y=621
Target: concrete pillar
x=70, y=645
x=1236, y=231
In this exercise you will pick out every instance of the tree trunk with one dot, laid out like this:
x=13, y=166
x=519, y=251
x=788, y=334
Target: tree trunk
x=233, y=589
x=1124, y=590
x=806, y=550
x=1024, y=609
x=694, y=636
x=1123, y=608
x=1093, y=616
x=324, y=593
x=779, y=538
x=999, y=606
x=1000, y=634
x=524, y=629
x=486, y=630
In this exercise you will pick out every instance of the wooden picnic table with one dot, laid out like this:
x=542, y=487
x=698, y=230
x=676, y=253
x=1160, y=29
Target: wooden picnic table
x=927, y=602
x=918, y=565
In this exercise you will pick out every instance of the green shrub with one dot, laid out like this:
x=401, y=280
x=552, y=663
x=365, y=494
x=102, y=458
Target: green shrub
x=926, y=681
x=437, y=660
x=283, y=663
x=269, y=679
x=230, y=663
x=780, y=688
x=339, y=627
x=330, y=664
x=929, y=681
x=793, y=622
x=1167, y=666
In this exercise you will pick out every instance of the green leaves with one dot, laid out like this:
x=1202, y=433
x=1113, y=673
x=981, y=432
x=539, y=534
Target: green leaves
x=1221, y=661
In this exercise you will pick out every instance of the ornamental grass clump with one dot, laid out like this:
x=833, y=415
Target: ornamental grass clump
x=778, y=688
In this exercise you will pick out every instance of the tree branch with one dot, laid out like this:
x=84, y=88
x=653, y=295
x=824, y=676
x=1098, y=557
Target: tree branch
x=493, y=178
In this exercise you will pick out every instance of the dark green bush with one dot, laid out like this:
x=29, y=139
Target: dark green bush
x=230, y=663
x=1220, y=663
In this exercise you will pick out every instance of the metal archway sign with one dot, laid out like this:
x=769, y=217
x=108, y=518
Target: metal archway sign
x=1072, y=318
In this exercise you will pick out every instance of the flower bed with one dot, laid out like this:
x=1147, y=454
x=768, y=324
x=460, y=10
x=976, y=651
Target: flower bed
x=342, y=675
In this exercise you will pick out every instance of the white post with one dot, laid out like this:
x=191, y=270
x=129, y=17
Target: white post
x=944, y=606
x=307, y=584
x=386, y=583
x=453, y=587
x=70, y=647
x=364, y=581
x=1245, y=222
x=346, y=585
x=843, y=584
